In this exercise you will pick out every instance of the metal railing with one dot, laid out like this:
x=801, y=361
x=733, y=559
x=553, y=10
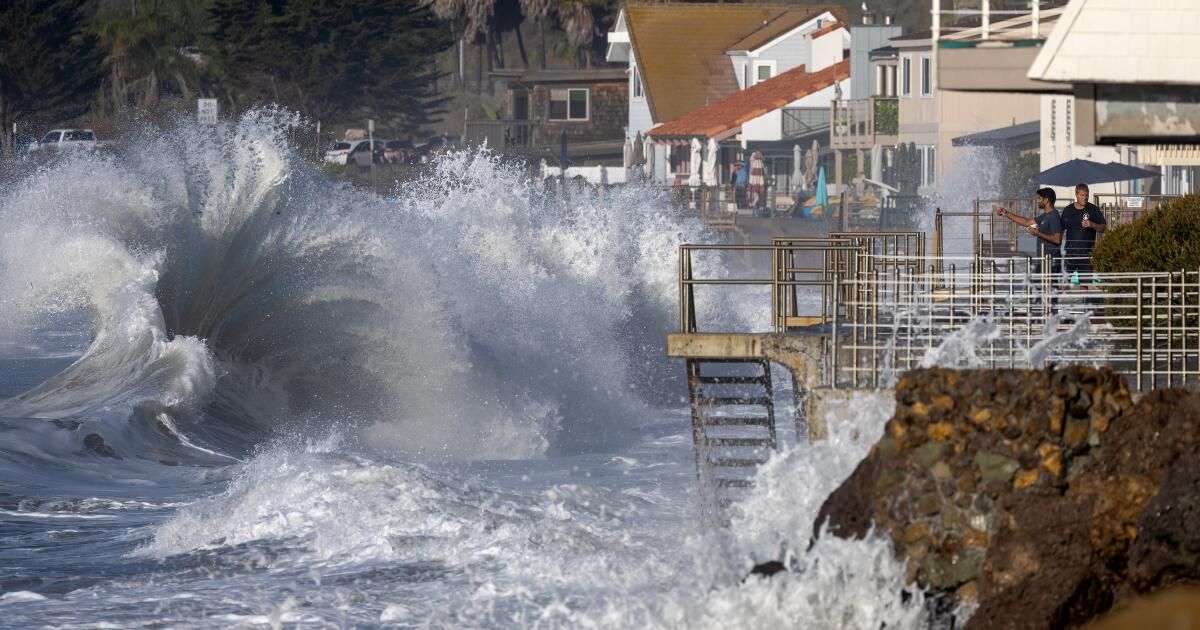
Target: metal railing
x=886, y=307
x=1124, y=209
x=499, y=134
x=862, y=123
x=993, y=19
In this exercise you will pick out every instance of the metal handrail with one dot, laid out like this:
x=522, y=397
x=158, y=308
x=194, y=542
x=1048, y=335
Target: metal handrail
x=889, y=304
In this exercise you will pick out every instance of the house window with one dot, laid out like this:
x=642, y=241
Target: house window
x=906, y=76
x=569, y=104
x=926, y=76
x=637, y=83
x=763, y=71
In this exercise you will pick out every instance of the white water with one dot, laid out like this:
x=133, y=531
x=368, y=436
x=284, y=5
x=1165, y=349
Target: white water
x=318, y=406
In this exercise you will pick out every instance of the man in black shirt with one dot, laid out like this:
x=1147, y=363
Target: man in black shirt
x=1081, y=222
x=1045, y=226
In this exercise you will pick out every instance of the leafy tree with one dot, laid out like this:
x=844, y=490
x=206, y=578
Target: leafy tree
x=49, y=65
x=151, y=53
x=334, y=60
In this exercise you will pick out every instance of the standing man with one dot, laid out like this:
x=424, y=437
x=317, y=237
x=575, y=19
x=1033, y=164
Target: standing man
x=1081, y=222
x=1046, y=226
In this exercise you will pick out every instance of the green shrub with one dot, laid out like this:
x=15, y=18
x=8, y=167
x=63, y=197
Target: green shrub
x=1165, y=239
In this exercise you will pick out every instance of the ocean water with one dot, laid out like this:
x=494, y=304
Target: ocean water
x=236, y=393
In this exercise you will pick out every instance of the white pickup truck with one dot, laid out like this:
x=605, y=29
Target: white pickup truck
x=66, y=139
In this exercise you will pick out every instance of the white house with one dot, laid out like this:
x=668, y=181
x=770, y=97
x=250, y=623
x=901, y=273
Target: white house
x=684, y=57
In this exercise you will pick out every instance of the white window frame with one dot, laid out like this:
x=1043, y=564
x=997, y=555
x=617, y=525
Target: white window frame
x=906, y=75
x=926, y=79
x=588, y=103
x=928, y=165
x=637, y=90
x=763, y=64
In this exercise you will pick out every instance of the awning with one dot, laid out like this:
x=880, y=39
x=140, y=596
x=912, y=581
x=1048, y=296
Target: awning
x=1023, y=136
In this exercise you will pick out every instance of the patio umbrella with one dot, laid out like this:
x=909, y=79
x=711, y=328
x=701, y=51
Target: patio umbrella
x=603, y=175
x=1088, y=172
x=756, y=186
x=639, y=153
x=710, y=164
x=797, y=168
x=877, y=163
x=815, y=206
x=627, y=153
x=694, y=166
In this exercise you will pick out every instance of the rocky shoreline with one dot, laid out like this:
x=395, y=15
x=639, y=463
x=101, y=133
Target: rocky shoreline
x=1040, y=499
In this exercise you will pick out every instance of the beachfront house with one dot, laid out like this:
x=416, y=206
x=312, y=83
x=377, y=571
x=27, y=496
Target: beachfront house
x=682, y=58
x=1130, y=70
x=589, y=106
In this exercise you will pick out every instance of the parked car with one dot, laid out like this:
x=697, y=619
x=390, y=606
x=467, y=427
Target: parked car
x=398, y=152
x=434, y=144
x=355, y=152
x=66, y=139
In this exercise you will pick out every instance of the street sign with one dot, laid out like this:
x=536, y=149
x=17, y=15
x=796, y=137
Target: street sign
x=206, y=111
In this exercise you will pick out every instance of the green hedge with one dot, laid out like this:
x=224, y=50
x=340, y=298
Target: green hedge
x=1165, y=239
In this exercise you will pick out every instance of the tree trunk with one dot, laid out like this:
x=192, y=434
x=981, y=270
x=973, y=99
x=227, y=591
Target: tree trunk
x=6, y=135
x=487, y=40
x=521, y=48
x=479, y=70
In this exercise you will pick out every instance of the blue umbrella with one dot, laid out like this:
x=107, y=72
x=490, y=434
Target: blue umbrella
x=1088, y=172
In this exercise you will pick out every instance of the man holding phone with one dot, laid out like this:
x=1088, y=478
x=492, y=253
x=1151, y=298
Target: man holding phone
x=1046, y=226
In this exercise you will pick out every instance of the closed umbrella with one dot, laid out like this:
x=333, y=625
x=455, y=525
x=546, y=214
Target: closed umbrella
x=639, y=153
x=627, y=153
x=710, y=164
x=757, y=184
x=694, y=166
x=797, y=168
x=811, y=162
x=603, y=175
x=1079, y=171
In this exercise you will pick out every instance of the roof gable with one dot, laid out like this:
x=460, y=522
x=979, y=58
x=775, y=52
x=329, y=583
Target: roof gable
x=753, y=102
x=782, y=25
x=1122, y=41
x=680, y=49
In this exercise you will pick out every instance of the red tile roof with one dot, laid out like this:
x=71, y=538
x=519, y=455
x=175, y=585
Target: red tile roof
x=681, y=47
x=751, y=103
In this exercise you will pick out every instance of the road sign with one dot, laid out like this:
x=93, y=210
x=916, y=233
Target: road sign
x=206, y=111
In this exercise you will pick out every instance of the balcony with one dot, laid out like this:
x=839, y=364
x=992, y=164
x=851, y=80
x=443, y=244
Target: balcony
x=990, y=45
x=864, y=123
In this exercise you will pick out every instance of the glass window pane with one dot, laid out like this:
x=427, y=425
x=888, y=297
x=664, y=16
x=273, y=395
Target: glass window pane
x=579, y=104
x=764, y=73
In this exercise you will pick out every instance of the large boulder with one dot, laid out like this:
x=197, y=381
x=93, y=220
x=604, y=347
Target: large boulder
x=1042, y=497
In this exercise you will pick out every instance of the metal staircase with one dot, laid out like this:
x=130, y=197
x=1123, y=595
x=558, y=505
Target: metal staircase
x=733, y=426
